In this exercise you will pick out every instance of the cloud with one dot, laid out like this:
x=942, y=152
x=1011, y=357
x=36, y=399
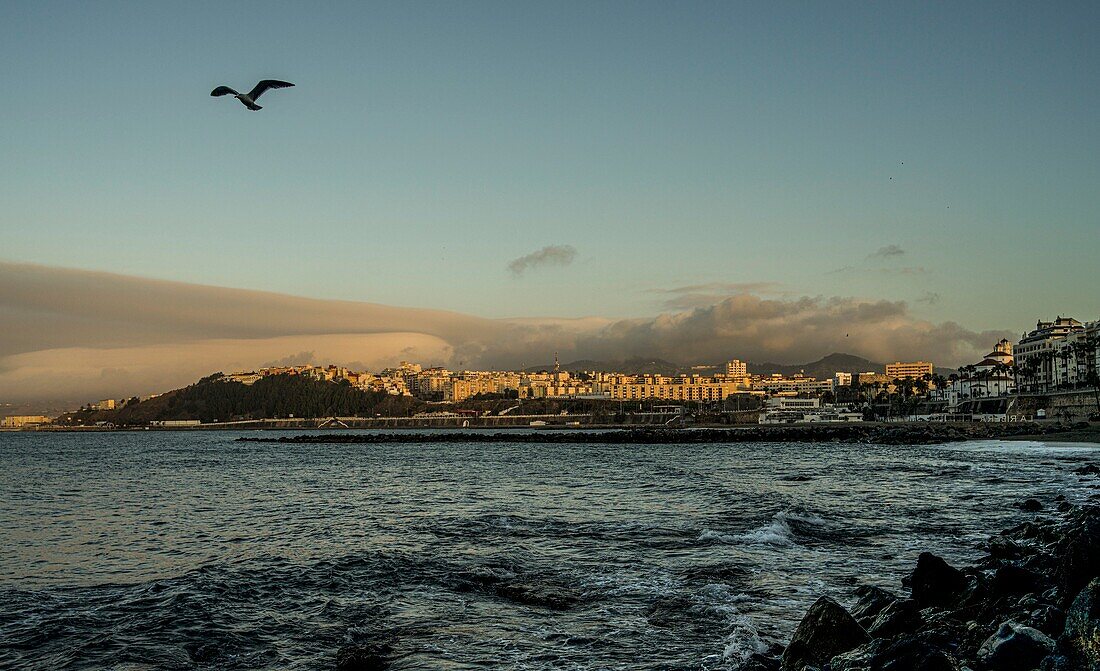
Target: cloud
x=302, y=358
x=929, y=298
x=700, y=295
x=796, y=330
x=904, y=270
x=887, y=252
x=551, y=255
x=78, y=334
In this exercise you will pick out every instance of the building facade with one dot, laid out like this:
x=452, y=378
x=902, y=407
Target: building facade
x=1047, y=356
x=694, y=388
x=900, y=370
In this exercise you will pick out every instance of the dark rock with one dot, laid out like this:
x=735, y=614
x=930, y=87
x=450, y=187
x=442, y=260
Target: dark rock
x=870, y=600
x=354, y=657
x=935, y=582
x=857, y=659
x=899, y=617
x=1009, y=579
x=1079, y=645
x=1091, y=469
x=759, y=662
x=1029, y=531
x=827, y=630
x=1030, y=505
x=1015, y=647
x=1078, y=552
x=1004, y=548
x=1048, y=619
x=910, y=653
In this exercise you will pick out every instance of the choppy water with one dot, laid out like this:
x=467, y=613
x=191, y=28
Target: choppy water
x=188, y=550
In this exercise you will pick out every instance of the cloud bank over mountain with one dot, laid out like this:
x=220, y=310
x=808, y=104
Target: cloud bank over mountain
x=80, y=334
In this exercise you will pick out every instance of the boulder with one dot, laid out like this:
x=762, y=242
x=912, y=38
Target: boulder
x=909, y=653
x=759, y=662
x=899, y=617
x=1015, y=647
x=934, y=582
x=1004, y=548
x=870, y=600
x=857, y=659
x=1078, y=552
x=1079, y=645
x=1010, y=579
x=1048, y=619
x=1030, y=505
x=827, y=630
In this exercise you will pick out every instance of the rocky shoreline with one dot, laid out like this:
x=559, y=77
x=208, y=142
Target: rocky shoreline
x=1032, y=602
x=883, y=434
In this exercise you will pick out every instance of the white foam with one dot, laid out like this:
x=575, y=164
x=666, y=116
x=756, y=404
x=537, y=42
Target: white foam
x=777, y=532
x=743, y=642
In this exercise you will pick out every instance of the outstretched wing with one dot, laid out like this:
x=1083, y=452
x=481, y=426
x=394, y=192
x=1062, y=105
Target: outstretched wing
x=223, y=91
x=266, y=84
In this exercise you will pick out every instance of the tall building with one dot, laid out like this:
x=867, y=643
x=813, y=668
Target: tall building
x=736, y=368
x=915, y=369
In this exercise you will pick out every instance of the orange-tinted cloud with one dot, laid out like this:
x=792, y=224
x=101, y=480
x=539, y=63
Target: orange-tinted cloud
x=80, y=334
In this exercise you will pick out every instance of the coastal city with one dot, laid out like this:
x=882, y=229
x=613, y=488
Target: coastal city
x=1050, y=372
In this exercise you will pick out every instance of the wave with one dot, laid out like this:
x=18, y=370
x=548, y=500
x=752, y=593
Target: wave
x=743, y=642
x=778, y=532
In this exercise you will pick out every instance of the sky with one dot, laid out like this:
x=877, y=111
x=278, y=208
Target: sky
x=624, y=163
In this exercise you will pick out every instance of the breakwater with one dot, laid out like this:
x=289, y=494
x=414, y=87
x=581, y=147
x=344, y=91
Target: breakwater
x=883, y=434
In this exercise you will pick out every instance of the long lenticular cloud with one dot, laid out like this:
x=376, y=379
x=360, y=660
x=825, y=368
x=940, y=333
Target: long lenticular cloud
x=80, y=334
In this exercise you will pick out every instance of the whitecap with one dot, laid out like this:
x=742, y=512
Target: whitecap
x=743, y=642
x=778, y=532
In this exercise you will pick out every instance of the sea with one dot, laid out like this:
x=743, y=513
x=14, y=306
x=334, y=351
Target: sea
x=190, y=550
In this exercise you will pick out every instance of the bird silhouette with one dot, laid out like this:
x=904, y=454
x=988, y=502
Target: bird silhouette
x=249, y=99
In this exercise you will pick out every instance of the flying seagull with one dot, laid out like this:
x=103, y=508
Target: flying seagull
x=249, y=99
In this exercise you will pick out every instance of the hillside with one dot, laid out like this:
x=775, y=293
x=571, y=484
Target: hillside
x=823, y=368
x=212, y=400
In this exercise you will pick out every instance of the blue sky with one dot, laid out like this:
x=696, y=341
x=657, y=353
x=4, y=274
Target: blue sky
x=426, y=145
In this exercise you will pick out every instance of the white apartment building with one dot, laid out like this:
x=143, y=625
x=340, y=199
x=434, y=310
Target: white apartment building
x=1046, y=358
